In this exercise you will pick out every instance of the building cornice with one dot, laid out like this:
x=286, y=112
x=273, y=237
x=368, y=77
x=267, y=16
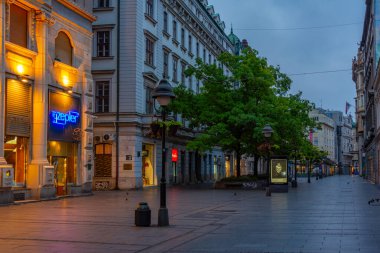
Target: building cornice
x=75, y=8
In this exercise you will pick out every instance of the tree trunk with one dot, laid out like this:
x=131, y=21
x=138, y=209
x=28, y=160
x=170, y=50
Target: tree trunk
x=238, y=163
x=255, y=165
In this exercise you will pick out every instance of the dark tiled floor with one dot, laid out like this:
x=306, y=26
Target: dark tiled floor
x=328, y=215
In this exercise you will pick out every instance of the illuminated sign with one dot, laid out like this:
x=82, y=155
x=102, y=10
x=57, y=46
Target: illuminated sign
x=63, y=119
x=279, y=171
x=174, y=155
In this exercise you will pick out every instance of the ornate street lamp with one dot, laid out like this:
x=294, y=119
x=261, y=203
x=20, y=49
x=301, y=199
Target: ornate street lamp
x=267, y=132
x=164, y=94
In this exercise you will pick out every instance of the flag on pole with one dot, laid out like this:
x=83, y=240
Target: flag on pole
x=348, y=105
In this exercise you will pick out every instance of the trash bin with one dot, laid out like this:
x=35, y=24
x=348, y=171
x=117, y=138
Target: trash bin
x=142, y=215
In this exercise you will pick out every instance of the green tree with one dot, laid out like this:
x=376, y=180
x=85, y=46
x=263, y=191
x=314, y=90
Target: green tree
x=231, y=110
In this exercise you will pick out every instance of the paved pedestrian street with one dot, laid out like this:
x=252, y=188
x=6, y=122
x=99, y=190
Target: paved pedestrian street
x=328, y=215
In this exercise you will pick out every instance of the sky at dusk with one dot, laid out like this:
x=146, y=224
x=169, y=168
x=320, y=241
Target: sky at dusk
x=303, y=36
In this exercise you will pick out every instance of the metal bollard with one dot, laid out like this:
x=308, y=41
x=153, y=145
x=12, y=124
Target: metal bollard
x=142, y=215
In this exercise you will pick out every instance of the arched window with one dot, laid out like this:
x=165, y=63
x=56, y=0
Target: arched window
x=63, y=49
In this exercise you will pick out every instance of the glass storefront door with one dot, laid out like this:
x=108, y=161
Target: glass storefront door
x=64, y=157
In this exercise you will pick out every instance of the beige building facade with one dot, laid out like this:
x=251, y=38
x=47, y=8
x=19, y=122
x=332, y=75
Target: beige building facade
x=46, y=98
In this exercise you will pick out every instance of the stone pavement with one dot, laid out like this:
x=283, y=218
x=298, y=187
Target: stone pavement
x=328, y=215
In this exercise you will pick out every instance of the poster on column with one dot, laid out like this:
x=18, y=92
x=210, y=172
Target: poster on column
x=64, y=117
x=7, y=175
x=279, y=171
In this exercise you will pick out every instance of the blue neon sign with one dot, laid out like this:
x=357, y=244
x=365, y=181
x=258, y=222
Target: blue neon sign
x=63, y=119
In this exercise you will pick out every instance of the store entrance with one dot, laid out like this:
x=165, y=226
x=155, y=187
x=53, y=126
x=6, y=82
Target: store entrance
x=63, y=156
x=60, y=165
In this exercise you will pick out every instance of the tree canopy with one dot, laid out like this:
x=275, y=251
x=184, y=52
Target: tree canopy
x=232, y=109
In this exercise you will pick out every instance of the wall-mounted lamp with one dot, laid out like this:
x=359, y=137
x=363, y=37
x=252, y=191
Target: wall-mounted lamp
x=70, y=90
x=20, y=69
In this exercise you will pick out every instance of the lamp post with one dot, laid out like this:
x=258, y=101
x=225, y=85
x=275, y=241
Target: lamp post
x=267, y=132
x=163, y=93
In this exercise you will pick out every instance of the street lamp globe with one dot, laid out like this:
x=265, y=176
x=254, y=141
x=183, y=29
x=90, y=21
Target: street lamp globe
x=267, y=131
x=163, y=93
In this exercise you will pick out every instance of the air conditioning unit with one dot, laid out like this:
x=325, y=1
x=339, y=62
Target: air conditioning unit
x=108, y=137
x=97, y=139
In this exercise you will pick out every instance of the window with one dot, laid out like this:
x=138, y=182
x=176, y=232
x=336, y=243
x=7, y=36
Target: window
x=190, y=83
x=204, y=55
x=175, y=69
x=149, y=8
x=103, y=43
x=166, y=65
x=174, y=30
x=165, y=21
x=197, y=50
x=183, y=37
x=149, y=51
x=63, y=49
x=103, y=3
x=148, y=100
x=198, y=89
x=18, y=26
x=102, y=96
x=209, y=58
x=183, y=77
x=190, y=44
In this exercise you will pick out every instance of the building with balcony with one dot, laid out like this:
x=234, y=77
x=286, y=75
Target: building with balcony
x=366, y=77
x=45, y=98
x=136, y=44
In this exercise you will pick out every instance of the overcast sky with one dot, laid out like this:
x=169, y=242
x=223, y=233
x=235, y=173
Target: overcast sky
x=303, y=36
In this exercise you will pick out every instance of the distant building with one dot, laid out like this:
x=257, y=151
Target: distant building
x=344, y=140
x=366, y=76
x=358, y=78
x=325, y=137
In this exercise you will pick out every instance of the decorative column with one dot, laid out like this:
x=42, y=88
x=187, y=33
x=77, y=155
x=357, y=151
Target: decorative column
x=2, y=81
x=40, y=108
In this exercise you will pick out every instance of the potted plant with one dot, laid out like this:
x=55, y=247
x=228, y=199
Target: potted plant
x=155, y=127
x=173, y=127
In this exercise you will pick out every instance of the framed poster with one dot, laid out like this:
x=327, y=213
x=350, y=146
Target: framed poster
x=279, y=171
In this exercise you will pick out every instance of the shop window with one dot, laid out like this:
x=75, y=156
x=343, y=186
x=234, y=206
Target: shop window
x=16, y=154
x=148, y=173
x=102, y=100
x=63, y=49
x=18, y=26
x=64, y=157
x=103, y=160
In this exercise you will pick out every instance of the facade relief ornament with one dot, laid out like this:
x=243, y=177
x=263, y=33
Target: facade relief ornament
x=42, y=16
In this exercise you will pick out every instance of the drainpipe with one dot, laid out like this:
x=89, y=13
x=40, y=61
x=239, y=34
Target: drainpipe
x=117, y=94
